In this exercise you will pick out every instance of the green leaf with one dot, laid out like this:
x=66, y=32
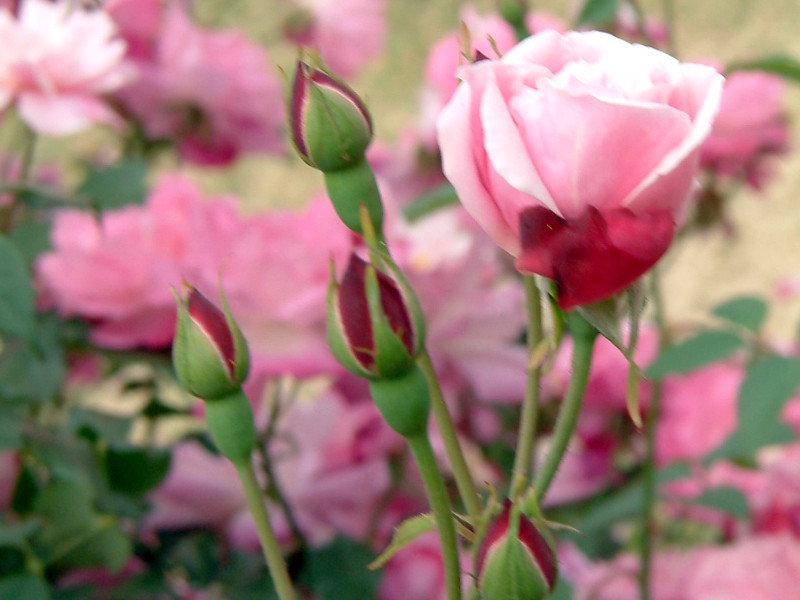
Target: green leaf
x=769, y=383
x=748, y=312
x=604, y=316
x=116, y=186
x=335, y=571
x=25, y=586
x=14, y=535
x=31, y=238
x=108, y=547
x=136, y=471
x=782, y=65
x=437, y=199
x=597, y=12
x=16, y=292
x=33, y=371
x=727, y=499
x=404, y=534
x=695, y=352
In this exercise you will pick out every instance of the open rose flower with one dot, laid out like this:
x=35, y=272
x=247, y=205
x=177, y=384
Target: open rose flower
x=57, y=63
x=577, y=153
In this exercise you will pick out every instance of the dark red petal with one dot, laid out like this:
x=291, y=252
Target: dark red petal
x=297, y=106
x=594, y=256
x=541, y=551
x=212, y=321
x=354, y=311
x=494, y=535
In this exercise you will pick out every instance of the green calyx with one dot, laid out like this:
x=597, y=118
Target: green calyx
x=231, y=425
x=349, y=189
x=404, y=402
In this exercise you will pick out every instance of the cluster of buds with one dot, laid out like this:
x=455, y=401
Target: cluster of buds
x=331, y=129
x=515, y=560
x=212, y=361
x=376, y=330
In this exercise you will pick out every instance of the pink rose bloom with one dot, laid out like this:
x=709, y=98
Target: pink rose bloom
x=117, y=272
x=138, y=23
x=441, y=69
x=752, y=125
x=213, y=92
x=577, y=154
x=698, y=412
x=346, y=33
x=761, y=568
x=57, y=62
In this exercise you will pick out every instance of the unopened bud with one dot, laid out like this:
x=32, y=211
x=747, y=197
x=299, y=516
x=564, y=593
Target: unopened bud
x=515, y=561
x=209, y=352
x=375, y=325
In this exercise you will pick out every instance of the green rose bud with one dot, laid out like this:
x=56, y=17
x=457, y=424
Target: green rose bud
x=209, y=352
x=375, y=325
x=515, y=561
x=330, y=126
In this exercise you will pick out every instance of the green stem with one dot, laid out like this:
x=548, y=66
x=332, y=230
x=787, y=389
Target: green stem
x=269, y=543
x=523, y=458
x=440, y=506
x=649, y=467
x=464, y=481
x=583, y=336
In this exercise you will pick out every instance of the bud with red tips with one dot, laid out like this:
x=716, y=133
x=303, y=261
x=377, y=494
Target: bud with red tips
x=330, y=126
x=375, y=325
x=209, y=352
x=331, y=129
x=515, y=561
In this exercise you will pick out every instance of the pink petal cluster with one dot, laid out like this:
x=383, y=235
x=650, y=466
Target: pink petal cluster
x=577, y=153
x=764, y=567
x=210, y=91
x=57, y=63
x=117, y=271
x=751, y=127
x=345, y=33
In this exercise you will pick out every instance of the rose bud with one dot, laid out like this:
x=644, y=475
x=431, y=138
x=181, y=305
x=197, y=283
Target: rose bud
x=515, y=561
x=331, y=129
x=209, y=352
x=330, y=126
x=375, y=324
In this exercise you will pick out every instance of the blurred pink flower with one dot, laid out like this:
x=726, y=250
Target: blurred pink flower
x=117, y=272
x=210, y=91
x=416, y=572
x=346, y=33
x=762, y=568
x=332, y=481
x=138, y=23
x=751, y=127
x=698, y=412
x=473, y=308
x=58, y=60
